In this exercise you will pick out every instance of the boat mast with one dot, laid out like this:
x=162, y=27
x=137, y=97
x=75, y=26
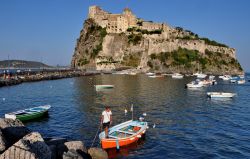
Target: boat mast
x=132, y=110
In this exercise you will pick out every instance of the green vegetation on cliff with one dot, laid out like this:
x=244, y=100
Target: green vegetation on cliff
x=193, y=36
x=90, y=42
x=134, y=38
x=102, y=33
x=189, y=59
x=132, y=60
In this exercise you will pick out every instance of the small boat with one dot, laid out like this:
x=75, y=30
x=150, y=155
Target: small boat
x=157, y=75
x=177, y=76
x=123, y=134
x=150, y=73
x=132, y=73
x=201, y=75
x=241, y=81
x=220, y=95
x=233, y=80
x=104, y=86
x=29, y=114
x=195, y=84
x=226, y=77
x=211, y=77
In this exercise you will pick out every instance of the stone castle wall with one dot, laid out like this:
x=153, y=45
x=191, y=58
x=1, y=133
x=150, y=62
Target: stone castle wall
x=150, y=26
x=115, y=23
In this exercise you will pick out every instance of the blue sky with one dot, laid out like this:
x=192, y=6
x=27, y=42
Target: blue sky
x=46, y=30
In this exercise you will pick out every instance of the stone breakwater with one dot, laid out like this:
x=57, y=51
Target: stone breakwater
x=40, y=76
x=19, y=142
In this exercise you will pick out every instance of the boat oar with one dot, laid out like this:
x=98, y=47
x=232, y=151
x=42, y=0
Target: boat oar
x=99, y=127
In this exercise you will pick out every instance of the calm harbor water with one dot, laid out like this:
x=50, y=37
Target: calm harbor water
x=188, y=124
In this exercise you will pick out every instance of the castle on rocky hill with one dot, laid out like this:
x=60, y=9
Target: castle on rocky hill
x=118, y=23
x=113, y=41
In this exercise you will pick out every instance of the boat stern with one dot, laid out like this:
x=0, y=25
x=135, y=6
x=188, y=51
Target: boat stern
x=10, y=116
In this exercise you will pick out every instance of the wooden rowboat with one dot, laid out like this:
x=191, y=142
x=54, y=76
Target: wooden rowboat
x=29, y=114
x=123, y=134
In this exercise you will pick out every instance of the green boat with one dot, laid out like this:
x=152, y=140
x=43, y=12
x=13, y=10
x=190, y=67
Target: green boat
x=29, y=114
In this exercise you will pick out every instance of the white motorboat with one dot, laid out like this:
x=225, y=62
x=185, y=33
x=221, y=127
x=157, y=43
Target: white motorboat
x=211, y=77
x=195, y=84
x=220, y=95
x=100, y=87
x=150, y=73
x=233, y=80
x=241, y=81
x=132, y=73
x=156, y=76
x=201, y=75
x=226, y=77
x=177, y=76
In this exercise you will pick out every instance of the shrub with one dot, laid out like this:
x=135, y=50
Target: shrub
x=103, y=32
x=83, y=61
x=96, y=51
x=212, y=42
x=149, y=63
x=139, y=23
x=134, y=38
x=153, y=56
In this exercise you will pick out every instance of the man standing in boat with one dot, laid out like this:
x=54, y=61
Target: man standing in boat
x=106, y=119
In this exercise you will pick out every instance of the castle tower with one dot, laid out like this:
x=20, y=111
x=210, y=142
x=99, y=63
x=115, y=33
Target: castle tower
x=92, y=11
x=131, y=18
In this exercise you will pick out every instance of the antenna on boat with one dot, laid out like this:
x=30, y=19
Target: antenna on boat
x=132, y=110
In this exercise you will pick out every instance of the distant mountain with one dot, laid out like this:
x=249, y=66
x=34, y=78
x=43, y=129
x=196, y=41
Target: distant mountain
x=21, y=64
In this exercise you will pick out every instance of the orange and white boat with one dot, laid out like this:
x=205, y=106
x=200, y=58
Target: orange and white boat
x=123, y=134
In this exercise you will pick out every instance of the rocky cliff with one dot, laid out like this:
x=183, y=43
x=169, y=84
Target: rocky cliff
x=167, y=49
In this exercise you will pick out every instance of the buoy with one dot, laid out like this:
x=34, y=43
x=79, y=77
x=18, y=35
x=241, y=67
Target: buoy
x=3, y=99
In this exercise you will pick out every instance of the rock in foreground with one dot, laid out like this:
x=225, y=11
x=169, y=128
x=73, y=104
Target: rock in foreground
x=31, y=146
x=2, y=142
x=97, y=153
x=13, y=130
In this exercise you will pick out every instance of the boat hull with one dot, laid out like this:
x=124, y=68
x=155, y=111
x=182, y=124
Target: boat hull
x=104, y=86
x=29, y=114
x=220, y=95
x=112, y=143
x=28, y=117
x=123, y=134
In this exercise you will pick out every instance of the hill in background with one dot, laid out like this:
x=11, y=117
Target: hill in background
x=22, y=64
